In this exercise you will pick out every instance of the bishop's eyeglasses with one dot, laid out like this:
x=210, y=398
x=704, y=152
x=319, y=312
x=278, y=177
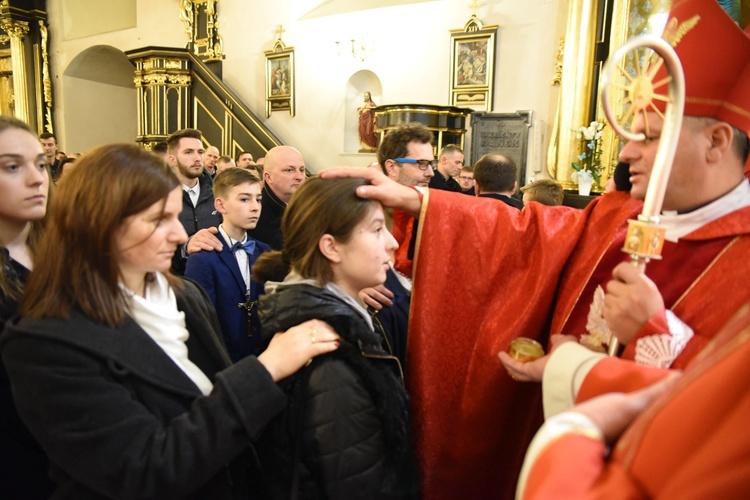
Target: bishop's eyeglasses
x=420, y=164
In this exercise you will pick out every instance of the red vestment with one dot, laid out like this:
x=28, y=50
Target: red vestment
x=472, y=422
x=403, y=226
x=691, y=443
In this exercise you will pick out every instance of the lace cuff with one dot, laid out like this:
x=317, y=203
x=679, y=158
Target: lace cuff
x=661, y=340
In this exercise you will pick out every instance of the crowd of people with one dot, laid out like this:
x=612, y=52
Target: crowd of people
x=220, y=329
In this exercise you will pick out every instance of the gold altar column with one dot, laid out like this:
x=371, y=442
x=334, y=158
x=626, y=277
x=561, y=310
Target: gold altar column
x=573, y=108
x=16, y=31
x=163, y=88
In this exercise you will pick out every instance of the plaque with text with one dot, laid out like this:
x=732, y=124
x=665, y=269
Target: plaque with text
x=502, y=133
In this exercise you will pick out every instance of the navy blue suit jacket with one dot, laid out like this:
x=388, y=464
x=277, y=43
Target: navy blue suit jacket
x=219, y=275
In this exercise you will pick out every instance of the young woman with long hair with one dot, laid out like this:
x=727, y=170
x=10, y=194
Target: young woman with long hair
x=345, y=433
x=24, y=192
x=117, y=367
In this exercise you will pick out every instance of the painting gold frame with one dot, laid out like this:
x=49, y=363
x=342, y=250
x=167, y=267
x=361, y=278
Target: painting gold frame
x=280, y=79
x=472, y=72
x=577, y=94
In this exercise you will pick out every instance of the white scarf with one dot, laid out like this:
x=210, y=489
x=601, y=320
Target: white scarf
x=158, y=315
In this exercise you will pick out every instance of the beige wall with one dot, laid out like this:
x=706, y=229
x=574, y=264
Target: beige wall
x=87, y=126
x=410, y=59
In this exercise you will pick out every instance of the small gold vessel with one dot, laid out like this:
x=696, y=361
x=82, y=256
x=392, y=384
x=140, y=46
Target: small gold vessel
x=524, y=349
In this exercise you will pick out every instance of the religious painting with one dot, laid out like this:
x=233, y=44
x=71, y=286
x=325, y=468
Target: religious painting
x=280, y=79
x=473, y=65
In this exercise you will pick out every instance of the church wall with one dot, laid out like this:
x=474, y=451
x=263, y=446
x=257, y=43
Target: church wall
x=87, y=127
x=410, y=58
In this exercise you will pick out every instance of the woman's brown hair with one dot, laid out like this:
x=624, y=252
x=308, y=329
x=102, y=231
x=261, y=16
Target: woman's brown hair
x=8, y=285
x=77, y=264
x=318, y=207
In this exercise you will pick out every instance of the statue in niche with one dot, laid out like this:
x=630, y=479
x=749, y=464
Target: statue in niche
x=367, y=138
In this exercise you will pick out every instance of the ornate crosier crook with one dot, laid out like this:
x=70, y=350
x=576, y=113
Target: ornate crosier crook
x=645, y=236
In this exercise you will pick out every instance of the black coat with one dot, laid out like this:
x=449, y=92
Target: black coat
x=23, y=463
x=347, y=419
x=438, y=181
x=505, y=199
x=268, y=229
x=194, y=218
x=119, y=419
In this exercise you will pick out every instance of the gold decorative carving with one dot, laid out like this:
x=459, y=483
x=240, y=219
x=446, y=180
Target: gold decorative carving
x=16, y=30
x=180, y=79
x=46, y=80
x=186, y=15
x=474, y=5
x=557, y=76
x=162, y=85
x=208, y=44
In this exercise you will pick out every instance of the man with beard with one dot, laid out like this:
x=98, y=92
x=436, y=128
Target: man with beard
x=185, y=156
x=406, y=156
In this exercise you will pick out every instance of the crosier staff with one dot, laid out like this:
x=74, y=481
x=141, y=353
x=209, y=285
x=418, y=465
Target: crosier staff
x=645, y=236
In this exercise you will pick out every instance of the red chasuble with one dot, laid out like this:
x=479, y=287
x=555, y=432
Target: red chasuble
x=702, y=278
x=691, y=443
x=471, y=297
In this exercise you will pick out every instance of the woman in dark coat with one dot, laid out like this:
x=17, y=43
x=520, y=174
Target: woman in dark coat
x=345, y=432
x=117, y=367
x=24, y=192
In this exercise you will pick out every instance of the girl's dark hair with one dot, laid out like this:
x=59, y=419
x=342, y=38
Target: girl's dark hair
x=9, y=284
x=318, y=207
x=77, y=263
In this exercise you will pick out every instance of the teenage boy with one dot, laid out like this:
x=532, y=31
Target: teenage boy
x=225, y=274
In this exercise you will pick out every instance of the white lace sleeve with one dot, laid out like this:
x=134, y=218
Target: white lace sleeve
x=660, y=350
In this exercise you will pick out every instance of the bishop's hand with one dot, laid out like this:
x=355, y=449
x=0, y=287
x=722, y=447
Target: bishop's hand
x=631, y=300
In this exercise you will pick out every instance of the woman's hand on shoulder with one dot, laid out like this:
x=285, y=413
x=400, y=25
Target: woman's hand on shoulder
x=290, y=350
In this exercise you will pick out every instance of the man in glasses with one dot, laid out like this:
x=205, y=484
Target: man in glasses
x=466, y=180
x=450, y=162
x=406, y=155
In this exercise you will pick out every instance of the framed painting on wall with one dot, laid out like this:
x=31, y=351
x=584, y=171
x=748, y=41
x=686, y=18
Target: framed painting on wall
x=473, y=65
x=279, y=79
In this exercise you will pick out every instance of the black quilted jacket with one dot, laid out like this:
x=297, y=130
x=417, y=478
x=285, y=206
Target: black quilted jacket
x=346, y=427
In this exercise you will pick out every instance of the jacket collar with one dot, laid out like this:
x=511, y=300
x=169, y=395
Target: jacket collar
x=127, y=348
x=270, y=199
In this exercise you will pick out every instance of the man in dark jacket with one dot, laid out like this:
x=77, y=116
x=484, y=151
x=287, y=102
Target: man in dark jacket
x=185, y=156
x=283, y=174
x=450, y=163
x=495, y=177
x=49, y=143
